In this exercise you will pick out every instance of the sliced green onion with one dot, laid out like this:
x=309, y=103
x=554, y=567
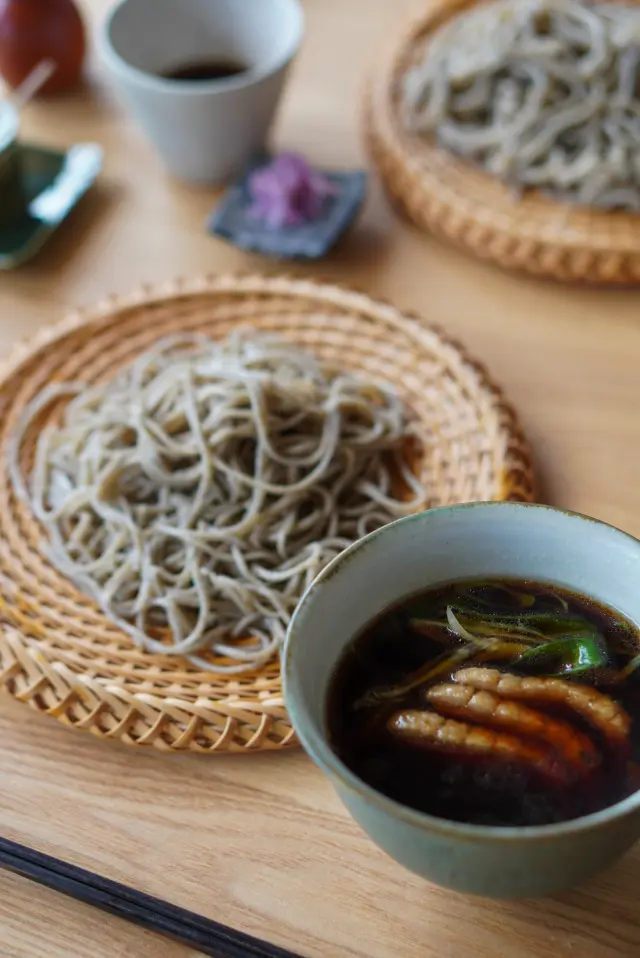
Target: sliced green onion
x=536, y=624
x=431, y=670
x=501, y=651
x=566, y=656
x=459, y=629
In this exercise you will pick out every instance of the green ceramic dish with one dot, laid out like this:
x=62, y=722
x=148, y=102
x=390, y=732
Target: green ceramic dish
x=12, y=201
x=461, y=542
x=52, y=182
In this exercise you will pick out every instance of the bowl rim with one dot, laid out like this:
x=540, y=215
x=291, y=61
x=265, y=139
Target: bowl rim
x=316, y=744
x=197, y=88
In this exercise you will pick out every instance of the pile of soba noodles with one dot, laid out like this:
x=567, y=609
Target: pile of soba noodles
x=541, y=93
x=197, y=494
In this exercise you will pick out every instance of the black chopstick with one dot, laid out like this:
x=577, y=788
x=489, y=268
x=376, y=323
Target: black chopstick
x=210, y=937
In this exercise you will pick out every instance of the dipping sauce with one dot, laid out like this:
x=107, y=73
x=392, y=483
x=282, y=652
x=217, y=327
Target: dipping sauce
x=493, y=702
x=205, y=70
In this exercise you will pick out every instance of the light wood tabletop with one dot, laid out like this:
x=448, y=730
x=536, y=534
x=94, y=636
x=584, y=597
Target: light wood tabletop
x=261, y=842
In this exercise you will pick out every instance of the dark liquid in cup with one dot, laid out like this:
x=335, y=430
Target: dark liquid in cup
x=205, y=70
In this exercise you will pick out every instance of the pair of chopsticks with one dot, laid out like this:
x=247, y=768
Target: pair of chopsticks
x=209, y=937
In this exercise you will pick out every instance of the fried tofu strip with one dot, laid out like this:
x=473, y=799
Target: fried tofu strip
x=598, y=709
x=471, y=705
x=432, y=731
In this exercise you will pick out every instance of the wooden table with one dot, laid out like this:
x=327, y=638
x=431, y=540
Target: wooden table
x=261, y=842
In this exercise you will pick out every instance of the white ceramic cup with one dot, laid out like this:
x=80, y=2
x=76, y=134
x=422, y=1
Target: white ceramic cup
x=461, y=542
x=204, y=130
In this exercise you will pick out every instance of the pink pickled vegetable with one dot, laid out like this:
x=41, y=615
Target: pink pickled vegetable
x=288, y=192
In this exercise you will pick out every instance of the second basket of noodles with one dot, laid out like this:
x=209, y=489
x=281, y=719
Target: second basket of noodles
x=178, y=466
x=512, y=129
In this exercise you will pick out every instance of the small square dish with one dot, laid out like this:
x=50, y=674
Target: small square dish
x=234, y=220
x=53, y=181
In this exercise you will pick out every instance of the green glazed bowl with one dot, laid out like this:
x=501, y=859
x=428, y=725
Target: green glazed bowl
x=12, y=200
x=470, y=541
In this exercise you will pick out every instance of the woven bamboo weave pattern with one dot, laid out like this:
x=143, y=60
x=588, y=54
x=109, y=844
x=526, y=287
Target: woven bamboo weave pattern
x=464, y=205
x=59, y=654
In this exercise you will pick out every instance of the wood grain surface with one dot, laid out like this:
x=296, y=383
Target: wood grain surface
x=261, y=842
x=30, y=916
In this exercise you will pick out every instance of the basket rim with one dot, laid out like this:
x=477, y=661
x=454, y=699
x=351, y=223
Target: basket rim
x=239, y=283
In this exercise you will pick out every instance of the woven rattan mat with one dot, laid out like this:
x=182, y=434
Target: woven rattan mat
x=453, y=200
x=60, y=655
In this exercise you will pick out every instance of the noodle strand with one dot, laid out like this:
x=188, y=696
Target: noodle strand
x=198, y=494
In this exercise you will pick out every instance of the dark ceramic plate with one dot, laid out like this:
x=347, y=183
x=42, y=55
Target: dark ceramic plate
x=53, y=182
x=231, y=219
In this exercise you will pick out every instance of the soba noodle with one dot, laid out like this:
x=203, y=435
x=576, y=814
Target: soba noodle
x=541, y=93
x=200, y=491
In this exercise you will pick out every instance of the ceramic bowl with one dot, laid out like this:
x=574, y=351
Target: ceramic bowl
x=475, y=540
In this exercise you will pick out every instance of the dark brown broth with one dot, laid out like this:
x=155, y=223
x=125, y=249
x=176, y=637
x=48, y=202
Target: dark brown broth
x=487, y=792
x=205, y=70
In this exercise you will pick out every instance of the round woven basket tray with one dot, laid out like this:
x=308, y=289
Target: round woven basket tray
x=453, y=200
x=58, y=652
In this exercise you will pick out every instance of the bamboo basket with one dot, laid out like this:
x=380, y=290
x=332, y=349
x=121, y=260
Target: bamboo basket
x=457, y=202
x=60, y=655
